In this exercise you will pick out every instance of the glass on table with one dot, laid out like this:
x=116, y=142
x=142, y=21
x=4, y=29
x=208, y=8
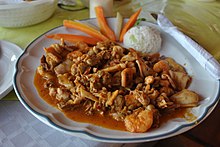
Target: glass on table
x=106, y=4
x=73, y=5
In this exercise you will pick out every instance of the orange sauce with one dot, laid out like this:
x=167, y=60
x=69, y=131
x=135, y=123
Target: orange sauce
x=179, y=113
x=96, y=119
x=79, y=115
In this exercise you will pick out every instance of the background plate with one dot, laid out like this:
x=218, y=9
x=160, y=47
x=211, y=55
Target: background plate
x=9, y=54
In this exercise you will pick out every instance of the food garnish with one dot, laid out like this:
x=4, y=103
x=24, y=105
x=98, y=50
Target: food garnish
x=139, y=20
x=105, y=33
x=104, y=28
x=118, y=25
x=129, y=24
x=73, y=38
x=85, y=28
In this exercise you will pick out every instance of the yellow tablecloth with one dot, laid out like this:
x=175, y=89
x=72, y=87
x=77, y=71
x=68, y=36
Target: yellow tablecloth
x=199, y=20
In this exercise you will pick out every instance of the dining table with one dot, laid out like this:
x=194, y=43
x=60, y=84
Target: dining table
x=198, y=19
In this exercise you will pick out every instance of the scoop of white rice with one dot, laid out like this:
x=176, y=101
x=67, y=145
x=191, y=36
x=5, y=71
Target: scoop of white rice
x=143, y=38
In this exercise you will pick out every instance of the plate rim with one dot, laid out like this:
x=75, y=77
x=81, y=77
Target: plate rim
x=209, y=109
x=91, y=136
x=17, y=51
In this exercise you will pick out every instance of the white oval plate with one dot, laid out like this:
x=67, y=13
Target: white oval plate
x=26, y=66
x=9, y=54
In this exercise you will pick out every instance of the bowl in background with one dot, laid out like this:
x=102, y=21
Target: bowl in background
x=20, y=13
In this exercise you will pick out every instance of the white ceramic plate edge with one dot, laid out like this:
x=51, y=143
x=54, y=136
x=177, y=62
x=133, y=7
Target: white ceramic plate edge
x=12, y=51
x=90, y=135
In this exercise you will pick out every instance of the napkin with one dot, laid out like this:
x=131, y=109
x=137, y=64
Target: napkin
x=207, y=61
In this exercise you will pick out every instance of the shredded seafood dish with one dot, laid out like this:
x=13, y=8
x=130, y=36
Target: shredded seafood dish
x=107, y=79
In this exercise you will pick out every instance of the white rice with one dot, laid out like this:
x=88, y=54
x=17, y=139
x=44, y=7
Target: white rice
x=143, y=38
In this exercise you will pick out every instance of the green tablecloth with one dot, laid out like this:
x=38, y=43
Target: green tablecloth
x=199, y=20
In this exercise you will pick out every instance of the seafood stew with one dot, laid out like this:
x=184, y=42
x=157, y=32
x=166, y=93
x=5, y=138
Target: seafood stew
x=108, y=80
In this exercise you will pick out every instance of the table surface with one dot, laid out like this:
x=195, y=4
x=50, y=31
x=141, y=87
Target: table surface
x=199, y=20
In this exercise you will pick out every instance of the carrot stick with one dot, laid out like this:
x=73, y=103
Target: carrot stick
x=129, y=24
x=84, y=28
x=104, y=28
x=74, y=38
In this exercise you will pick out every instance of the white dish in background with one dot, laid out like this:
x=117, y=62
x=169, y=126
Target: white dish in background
x=18, y=13
x=9, y=54
x=202, y=83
